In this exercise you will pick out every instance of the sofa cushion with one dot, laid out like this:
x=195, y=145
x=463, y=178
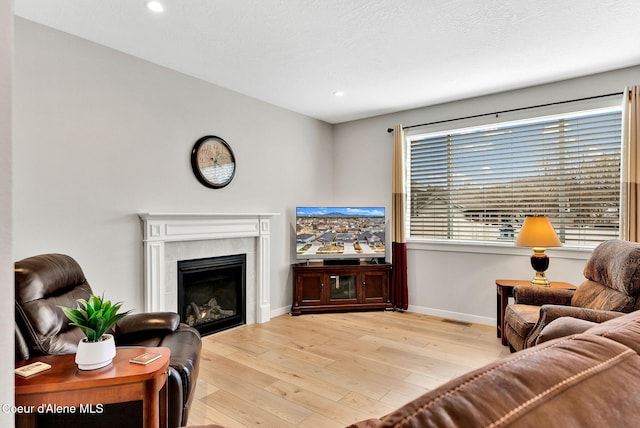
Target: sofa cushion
x=616, y=264
x=624, y=329
x=42, y=283
x=537, y=387
x=593, y=295
x=562, y=327
x=522, y=317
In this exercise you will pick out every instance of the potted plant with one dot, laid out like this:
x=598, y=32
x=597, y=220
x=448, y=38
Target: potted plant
x=95, y=317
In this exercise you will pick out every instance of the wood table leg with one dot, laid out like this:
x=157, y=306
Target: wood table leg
x=499, y=313
x=164, y=403
x=155, y=402
x=504, y=300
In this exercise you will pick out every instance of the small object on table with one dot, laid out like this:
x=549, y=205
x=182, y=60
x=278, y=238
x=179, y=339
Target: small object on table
x=145, y=358
x=33, y=368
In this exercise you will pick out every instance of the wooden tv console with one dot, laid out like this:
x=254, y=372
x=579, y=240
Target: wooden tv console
x=320, y=288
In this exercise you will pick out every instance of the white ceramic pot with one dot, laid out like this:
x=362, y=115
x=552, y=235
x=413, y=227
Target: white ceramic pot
x=94, y=355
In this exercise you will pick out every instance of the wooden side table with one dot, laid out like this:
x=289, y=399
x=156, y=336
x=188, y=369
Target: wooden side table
x=69, y=389
x=504, y=287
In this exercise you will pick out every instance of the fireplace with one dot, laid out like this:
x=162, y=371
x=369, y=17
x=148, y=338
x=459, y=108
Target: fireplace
x=212, y=292
x=171, y=237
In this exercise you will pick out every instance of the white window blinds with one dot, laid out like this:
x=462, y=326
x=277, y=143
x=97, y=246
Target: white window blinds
x=479, y=184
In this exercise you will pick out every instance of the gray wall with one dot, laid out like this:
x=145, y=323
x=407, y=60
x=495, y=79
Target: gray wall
x=101, y=136
x=6, y=258
x=458, y=281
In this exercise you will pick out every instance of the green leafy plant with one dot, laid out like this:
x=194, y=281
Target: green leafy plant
x=95, y=316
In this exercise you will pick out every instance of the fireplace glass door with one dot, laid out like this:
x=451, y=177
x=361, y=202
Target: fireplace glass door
x=211, y=292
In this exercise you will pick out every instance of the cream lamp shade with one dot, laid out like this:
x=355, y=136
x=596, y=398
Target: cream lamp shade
x=538, y=233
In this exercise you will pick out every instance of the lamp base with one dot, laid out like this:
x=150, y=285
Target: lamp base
x=540, y=280
x=540, y=263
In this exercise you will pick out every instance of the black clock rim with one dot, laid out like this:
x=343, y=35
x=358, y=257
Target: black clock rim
x=196, y=169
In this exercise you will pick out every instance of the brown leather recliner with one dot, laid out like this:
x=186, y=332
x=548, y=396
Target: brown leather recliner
x=611, y=288
x=44, y=282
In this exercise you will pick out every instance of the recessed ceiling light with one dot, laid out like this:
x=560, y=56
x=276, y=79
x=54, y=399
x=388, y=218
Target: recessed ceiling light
x=155, y=6
x=338, y=93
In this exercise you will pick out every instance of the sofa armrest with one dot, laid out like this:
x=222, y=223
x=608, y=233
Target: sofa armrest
x=150, y=324
x=563, y=327
x=539, y=296
x=549, y=313
x=186, y=346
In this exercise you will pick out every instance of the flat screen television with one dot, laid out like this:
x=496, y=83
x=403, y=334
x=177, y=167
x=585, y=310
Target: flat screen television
x=340, y=233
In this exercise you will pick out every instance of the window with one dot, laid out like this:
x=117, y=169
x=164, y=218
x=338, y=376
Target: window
x=479, y=184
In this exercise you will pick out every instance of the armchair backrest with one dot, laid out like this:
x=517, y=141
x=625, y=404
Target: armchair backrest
x=612, y=278
x=41, y=284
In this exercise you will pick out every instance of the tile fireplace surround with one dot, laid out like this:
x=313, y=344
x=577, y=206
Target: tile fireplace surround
x=170, y=237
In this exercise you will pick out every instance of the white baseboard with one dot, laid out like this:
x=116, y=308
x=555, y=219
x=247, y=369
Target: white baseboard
x=453, y=315
x=280, y=311
x=420, y=310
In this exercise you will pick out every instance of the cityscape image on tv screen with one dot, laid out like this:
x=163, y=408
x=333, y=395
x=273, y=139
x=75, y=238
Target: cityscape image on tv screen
x=335, y=232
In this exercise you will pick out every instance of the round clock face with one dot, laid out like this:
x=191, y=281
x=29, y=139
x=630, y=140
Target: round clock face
x=213, y=162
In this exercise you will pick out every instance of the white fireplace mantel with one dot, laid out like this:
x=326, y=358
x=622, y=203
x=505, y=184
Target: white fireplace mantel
x=160, y=229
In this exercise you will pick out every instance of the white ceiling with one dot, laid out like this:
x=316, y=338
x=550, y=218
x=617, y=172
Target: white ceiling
x=386, y=55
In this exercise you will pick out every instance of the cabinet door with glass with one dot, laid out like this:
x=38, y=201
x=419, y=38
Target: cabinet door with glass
x=342, y=287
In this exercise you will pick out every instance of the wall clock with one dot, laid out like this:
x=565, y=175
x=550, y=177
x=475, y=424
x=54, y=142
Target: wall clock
x=213, y=162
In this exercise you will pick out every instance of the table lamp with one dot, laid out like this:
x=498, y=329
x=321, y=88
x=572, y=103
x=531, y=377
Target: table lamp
x=537, y=233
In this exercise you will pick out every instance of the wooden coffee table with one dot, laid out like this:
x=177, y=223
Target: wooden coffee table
x=65, y=388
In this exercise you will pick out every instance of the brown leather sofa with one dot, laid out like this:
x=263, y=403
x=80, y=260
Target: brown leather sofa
x=577, y=381
x=611, y=289
x=45, y=281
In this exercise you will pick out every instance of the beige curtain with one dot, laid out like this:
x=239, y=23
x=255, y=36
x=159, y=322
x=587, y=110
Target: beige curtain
x=399, y=291
x=399, y=184
x=630, y=172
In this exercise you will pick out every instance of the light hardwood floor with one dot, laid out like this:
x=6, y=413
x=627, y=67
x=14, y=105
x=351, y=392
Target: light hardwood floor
x=330, y=370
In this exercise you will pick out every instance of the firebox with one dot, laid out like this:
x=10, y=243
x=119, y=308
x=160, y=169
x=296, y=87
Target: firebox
x=211, y=292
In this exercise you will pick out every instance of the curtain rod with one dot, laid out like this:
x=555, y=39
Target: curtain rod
x=390, y=130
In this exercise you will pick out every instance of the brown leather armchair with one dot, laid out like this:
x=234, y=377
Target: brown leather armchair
x=43, y=282
x=611, y=288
